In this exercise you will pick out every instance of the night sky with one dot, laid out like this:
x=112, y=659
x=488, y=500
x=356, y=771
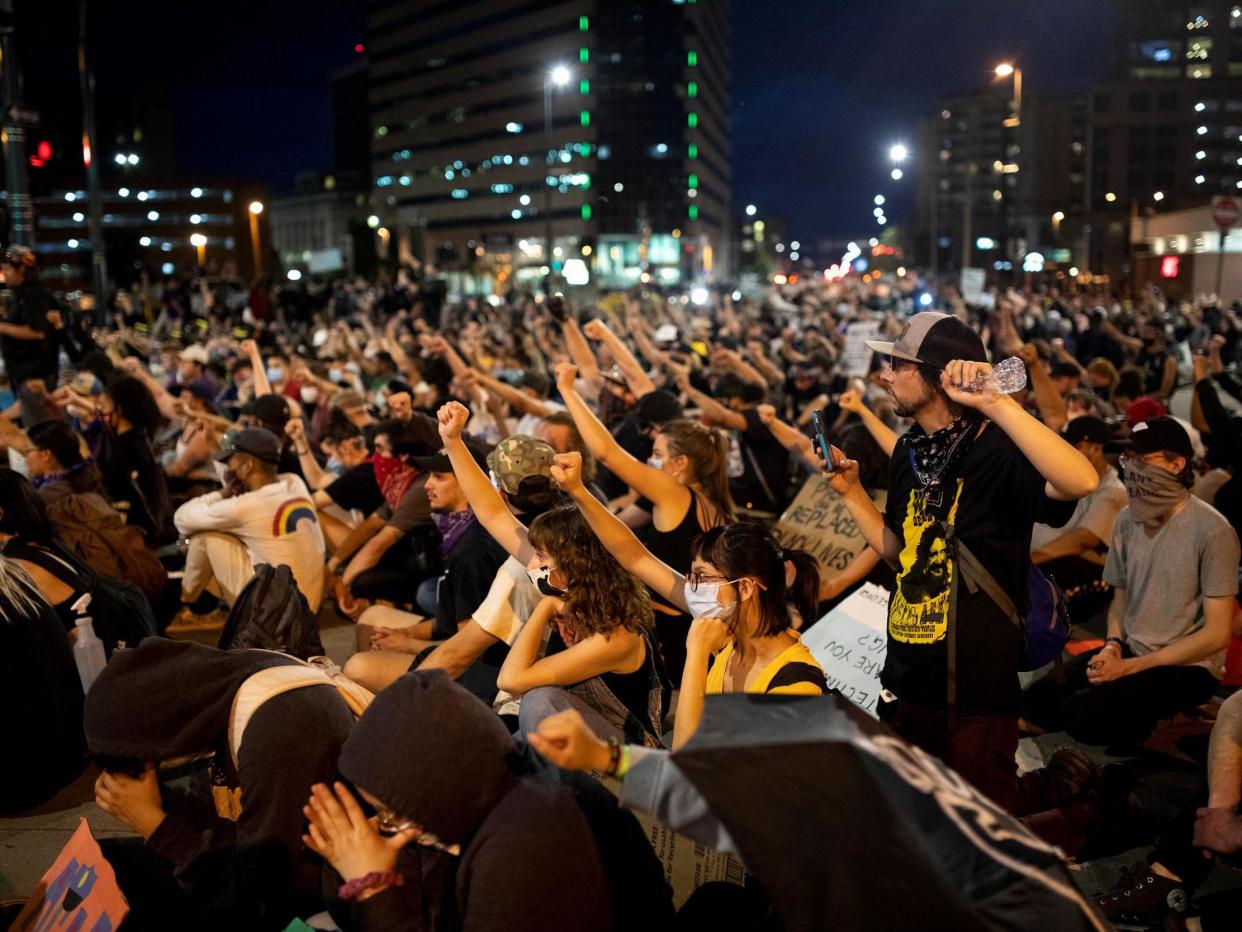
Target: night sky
x=821, y=87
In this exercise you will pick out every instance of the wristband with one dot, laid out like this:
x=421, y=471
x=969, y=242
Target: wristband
x=351, y=888
x=1120, y=642
x=614, y=756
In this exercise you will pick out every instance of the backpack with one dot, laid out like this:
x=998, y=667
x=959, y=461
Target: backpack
x=1046, y=627
x=92, y=529
x=272, y=614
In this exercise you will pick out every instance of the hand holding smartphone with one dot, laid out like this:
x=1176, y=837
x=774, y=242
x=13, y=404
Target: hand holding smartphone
x=819, y=422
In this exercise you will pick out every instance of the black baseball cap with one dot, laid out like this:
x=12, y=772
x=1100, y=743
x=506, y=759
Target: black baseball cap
x=259, y=443
x=1158, y=435
x=935, y=339
x=657, y=407
x=1088, y=429
x=270, y=409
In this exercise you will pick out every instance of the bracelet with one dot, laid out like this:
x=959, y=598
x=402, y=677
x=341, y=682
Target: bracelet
x=1120, y=642
x=351, y=888
x=614, y=756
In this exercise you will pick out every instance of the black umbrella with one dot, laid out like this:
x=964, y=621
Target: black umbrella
x=846, y=826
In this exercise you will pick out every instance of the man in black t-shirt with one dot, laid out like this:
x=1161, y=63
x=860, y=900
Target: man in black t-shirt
x=976, y=461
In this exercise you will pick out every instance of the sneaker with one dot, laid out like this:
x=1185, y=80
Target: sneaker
x=186, y=621
x=1144, y=897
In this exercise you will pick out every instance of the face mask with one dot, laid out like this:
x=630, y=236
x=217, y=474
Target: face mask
x=705, y=602
x=336, y=375
x=380, y=399
x=275, y=374
x=309, y=394
x=655, y=462
x=1154, y=491
x=541, y=577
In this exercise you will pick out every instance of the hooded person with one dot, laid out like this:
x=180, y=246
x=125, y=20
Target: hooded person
x=501, y=839
x=166, y=702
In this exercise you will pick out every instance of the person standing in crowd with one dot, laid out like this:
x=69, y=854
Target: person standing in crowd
x=28, y=351
x=977, y=465
x=1173, y=565
x=259, y=517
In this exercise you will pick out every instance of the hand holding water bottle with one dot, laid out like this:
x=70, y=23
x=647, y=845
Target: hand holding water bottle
x=979, y=385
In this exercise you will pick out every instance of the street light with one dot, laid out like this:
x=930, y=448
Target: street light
x=1008, y=69
x=256, y=208
x=1056, y=223
x=896, y=174
x=1158, y=196
x=199, y=242
x=898, y=152
x=559, y=76
x=751, y=210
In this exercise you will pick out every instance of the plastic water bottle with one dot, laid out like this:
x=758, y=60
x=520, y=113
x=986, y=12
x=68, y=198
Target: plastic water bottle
x=1006, y=377
x=88, y=653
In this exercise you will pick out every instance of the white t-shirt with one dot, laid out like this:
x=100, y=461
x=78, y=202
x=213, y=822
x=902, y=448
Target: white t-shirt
x=509, y=602
x=1097, y=513
x=528, y=424
x=277, y=523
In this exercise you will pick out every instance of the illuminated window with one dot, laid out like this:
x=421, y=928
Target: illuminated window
x=1199, y=49
x=692, y=89
x=694, y=181
x=584, y=86
x=586, y=211
x=584, y=23
x=692, y=59
x=585, y=117
x=693, y=212
x=584, y=54
x=692, y=151
x=692, y=120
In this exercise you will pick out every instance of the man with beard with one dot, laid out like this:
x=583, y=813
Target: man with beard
x=976, y=463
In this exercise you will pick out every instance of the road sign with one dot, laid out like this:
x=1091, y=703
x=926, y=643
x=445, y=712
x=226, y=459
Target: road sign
x=22, y=116
x=1225, y=211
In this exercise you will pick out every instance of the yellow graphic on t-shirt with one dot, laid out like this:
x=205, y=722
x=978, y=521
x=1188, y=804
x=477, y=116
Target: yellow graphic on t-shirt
x=919, y=610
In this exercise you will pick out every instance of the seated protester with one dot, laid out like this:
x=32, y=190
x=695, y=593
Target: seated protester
x=398, y=399
x=686, y=488
x=1082, y=401
x=40, y=679
x=394, y=554
x=561, y=433
x=738, y=592
x=1173, y=565
x=763, y=484
x=239, y=391
x=474, y=654
x=199, y=865
x=494, y=839
x=68, y=483
x=129, y=419
x=261, y=516
x=1074, y=553
x=345, y=491
x=192, y=371
x=1204, y=833
x=636, y=431
x=272, y=412
x=197, y=441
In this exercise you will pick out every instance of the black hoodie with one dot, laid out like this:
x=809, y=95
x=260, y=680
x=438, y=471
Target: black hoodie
x=529, y=858
x=165, y=699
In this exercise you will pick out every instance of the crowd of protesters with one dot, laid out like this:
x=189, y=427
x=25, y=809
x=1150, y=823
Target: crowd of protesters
x=551, y=524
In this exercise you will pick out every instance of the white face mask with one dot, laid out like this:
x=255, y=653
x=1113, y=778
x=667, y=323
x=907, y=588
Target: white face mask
x=222, y=472
x=310, y=394
x=380, y=400
x=705, y=603
x=655, y=462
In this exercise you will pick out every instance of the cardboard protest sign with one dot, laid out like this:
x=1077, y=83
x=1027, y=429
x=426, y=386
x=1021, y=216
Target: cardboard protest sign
x=687, y=864
x=79, y=892
x=856, y=359
x=817, y=520
x=851, y=642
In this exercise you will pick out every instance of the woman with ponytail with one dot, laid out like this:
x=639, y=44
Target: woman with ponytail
x=743, y=590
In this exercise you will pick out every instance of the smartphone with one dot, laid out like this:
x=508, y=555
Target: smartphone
x=818, y=422
x=556, y=307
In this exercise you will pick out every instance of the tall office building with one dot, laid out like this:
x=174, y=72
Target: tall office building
x=1166, y=130
x=603, y=125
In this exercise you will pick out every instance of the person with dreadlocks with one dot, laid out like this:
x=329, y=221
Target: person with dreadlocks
x=972, y=476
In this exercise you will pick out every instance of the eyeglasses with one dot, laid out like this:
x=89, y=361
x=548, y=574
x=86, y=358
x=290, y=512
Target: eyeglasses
x=697, y=579
x=388, y=824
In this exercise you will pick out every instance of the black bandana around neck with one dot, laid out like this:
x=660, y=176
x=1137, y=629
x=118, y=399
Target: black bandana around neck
x=934, y=456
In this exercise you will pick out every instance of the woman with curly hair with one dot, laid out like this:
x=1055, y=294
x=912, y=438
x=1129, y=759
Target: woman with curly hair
x=129, y=419
x=595, y=616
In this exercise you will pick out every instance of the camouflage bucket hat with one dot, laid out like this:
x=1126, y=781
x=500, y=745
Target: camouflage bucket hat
x=519, y=457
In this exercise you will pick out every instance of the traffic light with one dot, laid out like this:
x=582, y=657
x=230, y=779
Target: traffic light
x=42, y=154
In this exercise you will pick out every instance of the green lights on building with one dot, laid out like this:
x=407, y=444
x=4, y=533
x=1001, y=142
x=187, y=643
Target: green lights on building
x=692, y=120
x=584, y=23
x=584, y=54
x=692, y=89
x=694, y=182
x=586, y=211
x=692, y=151
x=693, y=212
x=692, y=59
x=584, y=86
x=585, y=117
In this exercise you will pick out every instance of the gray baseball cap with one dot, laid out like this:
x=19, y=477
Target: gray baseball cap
x=935, y=339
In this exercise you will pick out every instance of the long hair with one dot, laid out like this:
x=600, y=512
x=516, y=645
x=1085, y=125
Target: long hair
x=136, y=404
x=601, y=596
x=747, y=548
x=58, y=438
x=708, y=452
x=23, y=512
x=17, y=591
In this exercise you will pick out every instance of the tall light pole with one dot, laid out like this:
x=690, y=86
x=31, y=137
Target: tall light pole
x=20, y=208
x=90, y=152
x=1011, y=122
x=559, y=76
x=256, y=208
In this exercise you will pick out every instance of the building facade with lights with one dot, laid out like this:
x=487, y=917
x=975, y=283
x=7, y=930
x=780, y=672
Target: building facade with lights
x=631, y=173
x=1166, y=130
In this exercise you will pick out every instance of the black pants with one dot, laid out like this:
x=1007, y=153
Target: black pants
x=1123, y=712
x=395, y=578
